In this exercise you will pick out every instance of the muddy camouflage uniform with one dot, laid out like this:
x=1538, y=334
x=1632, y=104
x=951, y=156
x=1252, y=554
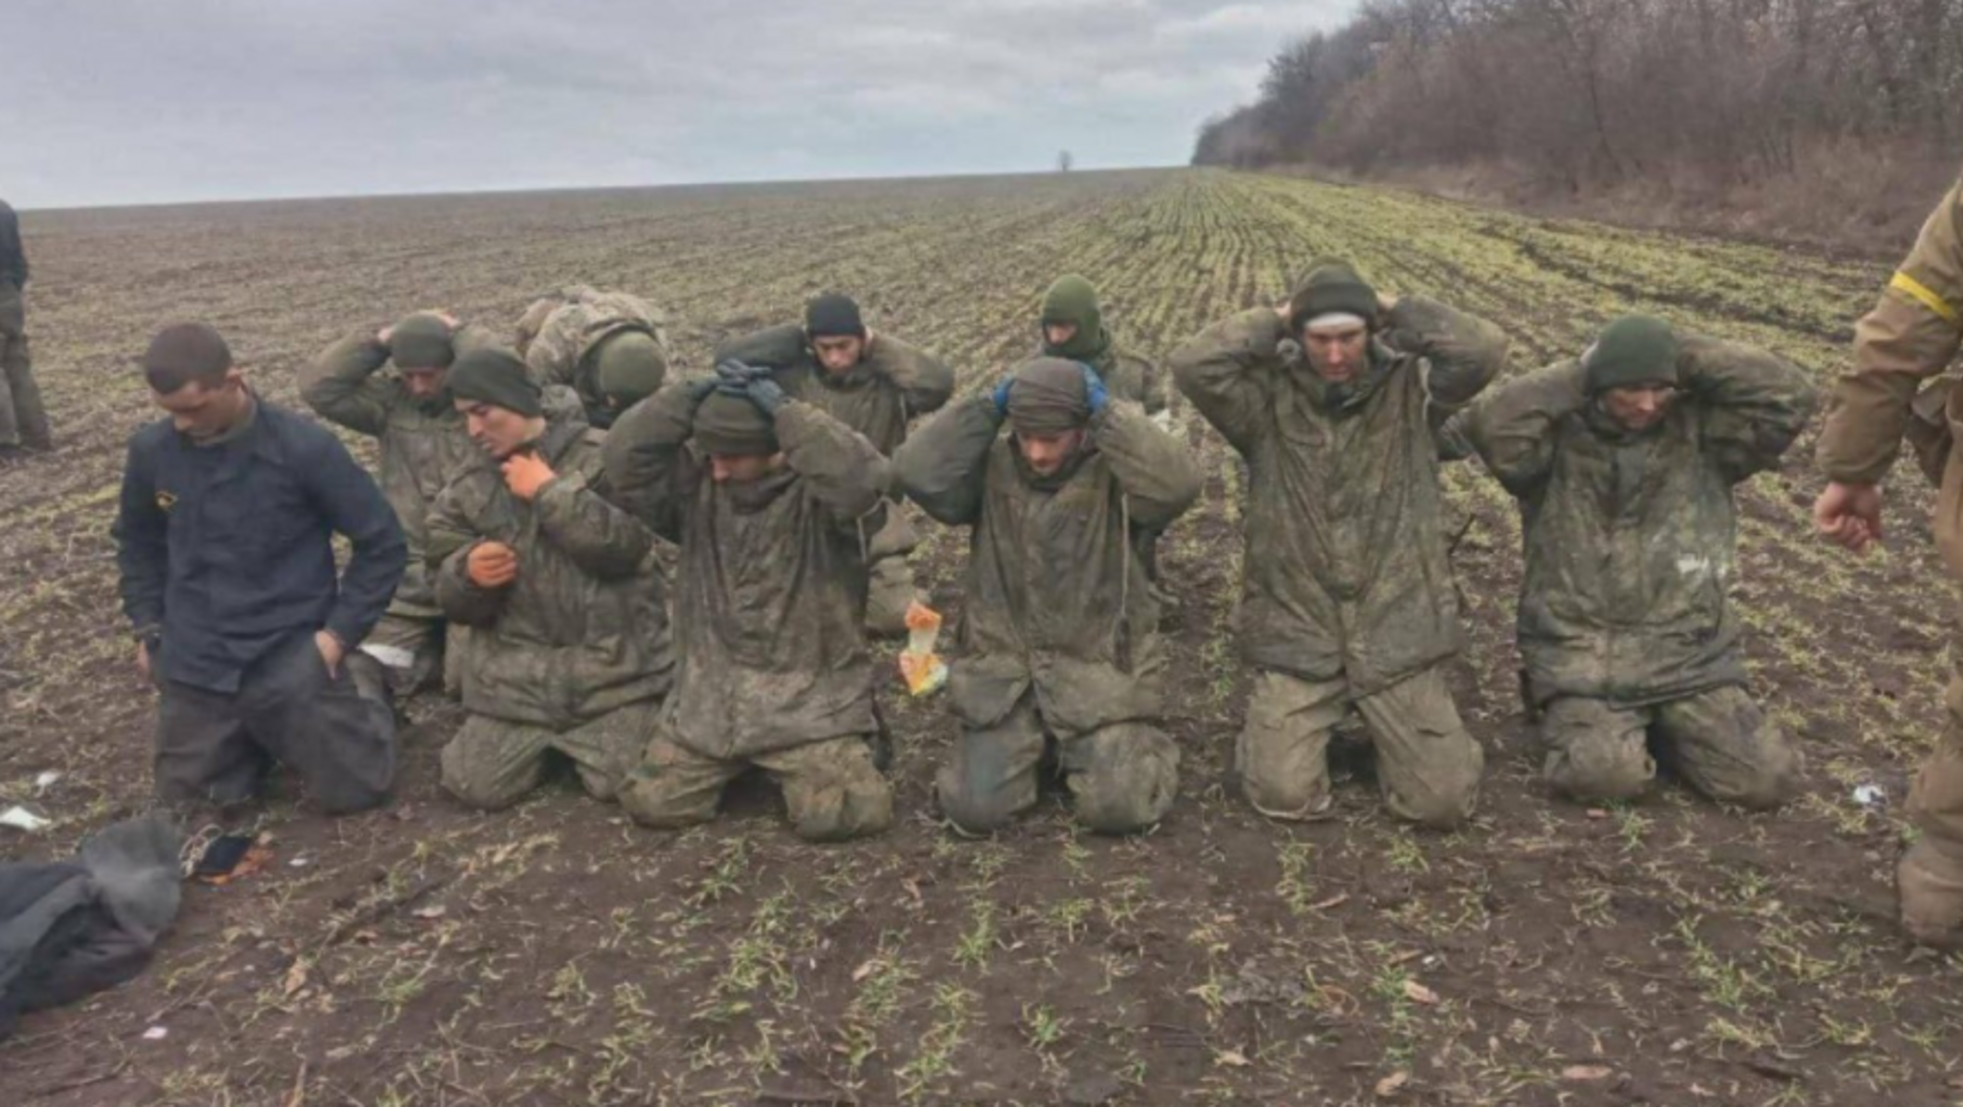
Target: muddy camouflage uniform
x=423, y=446
x=769, y=598
x=23, y=418
x=1059, y=634
x=1348, y=598
x=893, y=384
x=558, y=335
x=1624, y=621
x=572, y=657
x=1911, y=336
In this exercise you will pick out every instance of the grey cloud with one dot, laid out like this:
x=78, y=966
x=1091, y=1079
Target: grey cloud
x=198, y=99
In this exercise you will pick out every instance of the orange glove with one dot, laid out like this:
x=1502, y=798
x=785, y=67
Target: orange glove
x=525, y=473
x=491, y=565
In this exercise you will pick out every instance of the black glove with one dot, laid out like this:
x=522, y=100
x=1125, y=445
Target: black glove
x=764, y=392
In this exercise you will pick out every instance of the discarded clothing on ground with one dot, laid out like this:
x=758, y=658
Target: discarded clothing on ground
x=71, y=928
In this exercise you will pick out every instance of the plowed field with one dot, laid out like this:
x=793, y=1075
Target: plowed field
x=1665, y=952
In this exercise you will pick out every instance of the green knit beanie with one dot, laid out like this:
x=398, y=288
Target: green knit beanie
x=1633, y=351
x=732, y=426
x=629, y=366
x=1072, y=299
x=1331, y=287
x=492, y=376
x=421, y=341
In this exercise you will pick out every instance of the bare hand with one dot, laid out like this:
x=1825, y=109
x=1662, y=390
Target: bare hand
x=525, y=474
x=143, y=659
x=331, y=651
x=1849, y=515
x=491, y=565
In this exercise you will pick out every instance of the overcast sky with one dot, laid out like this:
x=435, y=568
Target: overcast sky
x=160, y=100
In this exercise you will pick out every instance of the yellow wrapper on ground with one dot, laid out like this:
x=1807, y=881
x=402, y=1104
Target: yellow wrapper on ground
x=919, y=664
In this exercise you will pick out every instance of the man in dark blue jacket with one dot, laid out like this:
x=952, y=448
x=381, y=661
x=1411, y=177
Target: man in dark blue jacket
x=224, y=538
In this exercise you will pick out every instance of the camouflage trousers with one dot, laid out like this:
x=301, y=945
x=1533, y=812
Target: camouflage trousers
x=1428, y=764
x=23, y=418
x=1122, y=778
x=493, y=763
x=832, y=791
x=409, y=644
x=1930, y=876
x=888, y=595
x=1718, y=741
x=891, y=589
x=217, y=748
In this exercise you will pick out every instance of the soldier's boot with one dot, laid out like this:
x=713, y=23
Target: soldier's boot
x=889, y=594
x=1930, y=883
x=1930, y=877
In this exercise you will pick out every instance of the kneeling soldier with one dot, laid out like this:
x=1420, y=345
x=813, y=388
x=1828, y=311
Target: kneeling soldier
x=224, y=537
x=773, y=503
x=1623, y=462
x=568, y=649
x=1059, y=639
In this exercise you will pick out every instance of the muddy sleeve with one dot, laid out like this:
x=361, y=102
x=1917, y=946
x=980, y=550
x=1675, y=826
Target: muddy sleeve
x=649, y=471
x=451, y=538
x=1153, y=468
x=1226, y=370
x=1158, y=395
x=601, y=538
x=1911, y=334
x=943, y=466
x=1466, y=352
x=340, y=385
x=353, y=505
x=843, y=471
x=142, y=534
x=1754, y=403
x=777, y=347
x=1512, y=428
x=925, y=381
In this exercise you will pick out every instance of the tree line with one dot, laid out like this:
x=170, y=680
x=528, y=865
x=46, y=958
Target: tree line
x=1577, y=94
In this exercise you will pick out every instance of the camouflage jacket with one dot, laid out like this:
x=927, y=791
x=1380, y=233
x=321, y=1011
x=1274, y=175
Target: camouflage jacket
x=423, y=442
x=1056, y=597
x=1911, y=335
x=1126, y=375
x=891, y=385
x=771, y=588
x=1345, y=572
x=583, y=631
x=1630, y=536
x=557, y=332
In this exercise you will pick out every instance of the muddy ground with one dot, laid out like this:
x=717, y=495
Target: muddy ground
x=1664, y=952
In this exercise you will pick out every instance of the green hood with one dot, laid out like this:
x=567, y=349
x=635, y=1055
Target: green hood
x=1072, y=299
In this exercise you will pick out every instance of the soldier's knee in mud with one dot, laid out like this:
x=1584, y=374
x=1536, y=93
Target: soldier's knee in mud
x=972, y=813
x=1773, y=786
x=1440, y=811
x=1286, y=795
x=852, y=811
x=1600, y=772
x=1125, y=799
x=347, y=797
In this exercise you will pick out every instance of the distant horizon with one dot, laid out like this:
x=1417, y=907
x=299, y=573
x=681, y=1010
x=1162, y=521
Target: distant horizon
x=524, y=191
x=114, y=105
